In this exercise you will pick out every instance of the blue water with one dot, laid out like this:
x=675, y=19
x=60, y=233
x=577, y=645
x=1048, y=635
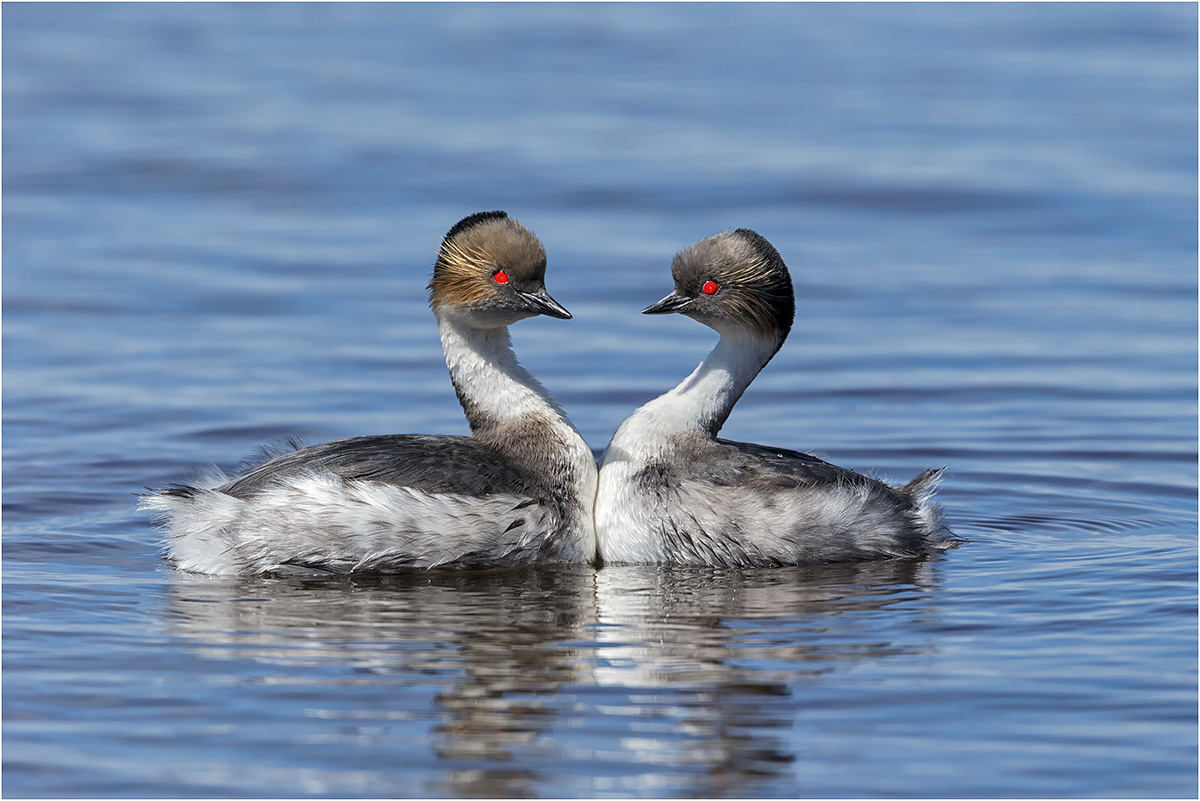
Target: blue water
x=218, y=224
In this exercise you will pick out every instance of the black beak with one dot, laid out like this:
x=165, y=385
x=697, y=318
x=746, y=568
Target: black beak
x=671, y=303
x=542, y=303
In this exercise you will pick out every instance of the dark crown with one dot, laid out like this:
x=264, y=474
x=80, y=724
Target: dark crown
x=755, y=288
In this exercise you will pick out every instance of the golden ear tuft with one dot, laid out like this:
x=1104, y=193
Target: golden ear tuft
x=459, y=276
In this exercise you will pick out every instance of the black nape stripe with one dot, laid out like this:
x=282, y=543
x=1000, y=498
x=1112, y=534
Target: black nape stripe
x=474, y=220
x=760, y=243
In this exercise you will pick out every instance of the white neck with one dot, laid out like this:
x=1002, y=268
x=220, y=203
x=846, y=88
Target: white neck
x=491, y=384
x=505, y=404
x=702, y=401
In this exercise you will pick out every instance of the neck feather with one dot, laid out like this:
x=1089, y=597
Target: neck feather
x=703, y=401
x=510, y=411
x=491, y=385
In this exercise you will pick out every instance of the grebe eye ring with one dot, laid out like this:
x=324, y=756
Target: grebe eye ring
x=500, y=277
x=709, y=288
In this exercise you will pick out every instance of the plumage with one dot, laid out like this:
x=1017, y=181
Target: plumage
x=518, y=491
x=671, y=491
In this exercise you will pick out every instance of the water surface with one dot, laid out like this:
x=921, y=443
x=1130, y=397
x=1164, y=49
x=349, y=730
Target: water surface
x=218, y=225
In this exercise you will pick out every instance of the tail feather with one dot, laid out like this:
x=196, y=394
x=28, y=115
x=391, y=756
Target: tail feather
x=921, y=488
x=927, y=514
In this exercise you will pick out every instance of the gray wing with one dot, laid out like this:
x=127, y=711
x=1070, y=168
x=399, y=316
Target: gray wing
x=743, y=504
x=432, y=463
x=777, y=468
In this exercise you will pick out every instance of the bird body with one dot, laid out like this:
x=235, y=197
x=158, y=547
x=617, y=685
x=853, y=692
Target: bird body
x=518, y=491
x=671, y=491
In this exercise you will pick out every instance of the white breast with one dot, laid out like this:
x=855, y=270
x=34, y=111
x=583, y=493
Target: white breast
x=626, y=518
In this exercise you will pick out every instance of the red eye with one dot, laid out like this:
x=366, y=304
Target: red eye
x=500, y=277
x=709, y=288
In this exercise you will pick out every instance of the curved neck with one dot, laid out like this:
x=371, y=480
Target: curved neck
x=704, y=399
x=511, y=412
x=491, y=385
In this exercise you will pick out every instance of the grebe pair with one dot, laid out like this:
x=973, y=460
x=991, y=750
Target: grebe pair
x=524, y=487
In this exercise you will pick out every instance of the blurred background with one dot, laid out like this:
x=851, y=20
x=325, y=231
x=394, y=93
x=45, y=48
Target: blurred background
x=218, y=223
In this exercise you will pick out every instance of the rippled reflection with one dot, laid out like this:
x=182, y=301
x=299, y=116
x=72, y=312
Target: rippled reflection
x=709, y=660
x=694, y=668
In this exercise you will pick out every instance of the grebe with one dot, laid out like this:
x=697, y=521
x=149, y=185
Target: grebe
x=518, y=491
x=671, y=491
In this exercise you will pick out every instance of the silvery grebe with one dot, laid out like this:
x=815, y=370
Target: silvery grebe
x=518, y=491
x=671, y=491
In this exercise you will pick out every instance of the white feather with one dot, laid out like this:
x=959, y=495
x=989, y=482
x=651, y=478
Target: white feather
x=318, y=520
x=322, y=520
x=728, y=523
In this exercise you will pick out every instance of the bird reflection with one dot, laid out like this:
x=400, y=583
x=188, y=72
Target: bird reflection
x=644, y=679
x=490, y=640
x=708, y=658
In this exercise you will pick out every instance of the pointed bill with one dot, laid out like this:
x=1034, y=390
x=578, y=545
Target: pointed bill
x=542, y=303
x=671, y=303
